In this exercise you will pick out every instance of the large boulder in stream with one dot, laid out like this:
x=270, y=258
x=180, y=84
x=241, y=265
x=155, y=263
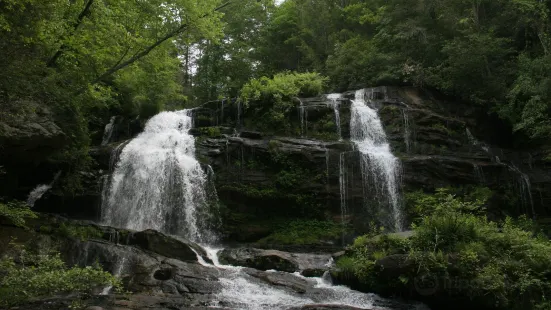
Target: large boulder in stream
x=310, y=265
x=156, y=242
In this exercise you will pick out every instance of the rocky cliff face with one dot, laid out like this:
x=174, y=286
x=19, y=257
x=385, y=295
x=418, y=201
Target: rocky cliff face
x=27, y=138
x=262, y=176
x=309, y=169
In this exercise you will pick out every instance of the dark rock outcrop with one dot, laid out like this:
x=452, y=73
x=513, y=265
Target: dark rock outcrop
x=259, y=259
x=309, y=265
x=27, y=139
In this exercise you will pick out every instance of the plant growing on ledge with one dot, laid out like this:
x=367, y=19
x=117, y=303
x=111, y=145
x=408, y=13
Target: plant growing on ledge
x=272, y=99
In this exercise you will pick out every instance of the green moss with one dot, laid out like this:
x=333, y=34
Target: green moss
x=68, y=230
x=212, y=132
x=303, y=232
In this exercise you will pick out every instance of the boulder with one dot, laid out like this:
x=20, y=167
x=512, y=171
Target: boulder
x=259, y=259
x=289, y=281
x=164, y=245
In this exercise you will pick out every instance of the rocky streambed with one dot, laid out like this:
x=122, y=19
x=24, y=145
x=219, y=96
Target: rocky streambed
x=165, y=272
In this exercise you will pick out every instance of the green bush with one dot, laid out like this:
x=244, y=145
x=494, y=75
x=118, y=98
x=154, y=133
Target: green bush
x=283, y=86
x=26, y=276
x=273, y=99
x=491, y=264
x=16, y=212
x=73, y=231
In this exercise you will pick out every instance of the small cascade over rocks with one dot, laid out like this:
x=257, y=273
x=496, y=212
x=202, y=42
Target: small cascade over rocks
x=40, y=190
x=380, y=168
x=108, y=132
x=336, y=105
x=158, y=184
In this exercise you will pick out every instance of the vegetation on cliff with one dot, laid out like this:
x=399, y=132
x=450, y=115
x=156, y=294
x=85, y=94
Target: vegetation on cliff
x=26, y=277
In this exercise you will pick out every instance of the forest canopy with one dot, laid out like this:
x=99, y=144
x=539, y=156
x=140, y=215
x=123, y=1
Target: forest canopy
x=88, y=59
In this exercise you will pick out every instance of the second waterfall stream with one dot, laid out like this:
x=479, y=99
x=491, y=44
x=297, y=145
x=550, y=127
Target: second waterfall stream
x=380, y=168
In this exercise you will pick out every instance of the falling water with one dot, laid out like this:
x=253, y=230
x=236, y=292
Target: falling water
x=407, y=130
x=302, y=117
x=120, y=265
x=523, y=183
x=158, y=184
x=239, y=111
x=108, y=132
x=479, y=173
x=377, y=161
x=525, y=189
x=343, y=190
x=222, y=112
x=336, y=108
x=37, y=193
x=242, y=291
x=327, y=165
x=40, y=190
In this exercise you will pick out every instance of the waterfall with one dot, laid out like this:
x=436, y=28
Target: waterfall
x=380, y=168
x=40, y=190
x=108, y=131
x=523, y=182
x=239, y=111
x=222, y=111
x=343, y=190
x=407, y=131
x=525, y=190
x=302, y=117
x=479, y=173
x=158, y=184
x=336, y=105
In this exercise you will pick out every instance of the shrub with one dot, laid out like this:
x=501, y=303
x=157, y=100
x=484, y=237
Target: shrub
x=16, y=212
x=26, y=276
x=489, y=264
x=283, y=86
x=273, y=99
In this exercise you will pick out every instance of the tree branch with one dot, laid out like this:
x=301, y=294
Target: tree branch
x=120, y=65
x=78, y=22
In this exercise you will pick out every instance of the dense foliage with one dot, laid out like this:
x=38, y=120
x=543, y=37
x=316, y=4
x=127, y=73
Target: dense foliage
x=493, y=54
x=461, y=255
x=85, y=60
x=273, y=99
x=25, y=276
x=16, y=212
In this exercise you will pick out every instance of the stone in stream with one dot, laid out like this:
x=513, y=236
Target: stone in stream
x=309, y=265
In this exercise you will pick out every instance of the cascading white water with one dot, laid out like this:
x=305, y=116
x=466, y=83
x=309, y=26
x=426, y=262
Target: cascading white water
x=380, y=168
x=407, y=130
x=242, y=291
x=523, y=185
x=343, y=190
x=158, y=184
x=479, y=173
x=336, y=108
x=37, y=193
x=302, y=117
x=108, y=132
x=40, y=190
